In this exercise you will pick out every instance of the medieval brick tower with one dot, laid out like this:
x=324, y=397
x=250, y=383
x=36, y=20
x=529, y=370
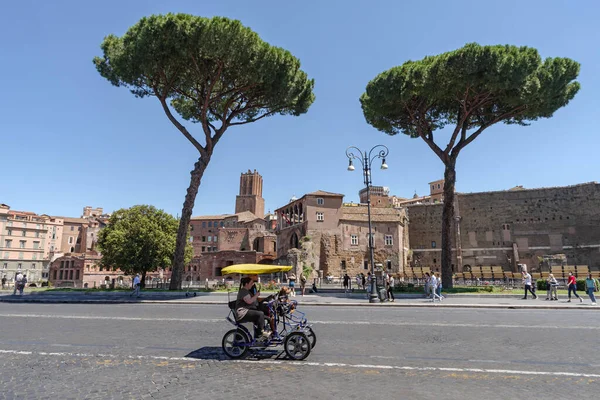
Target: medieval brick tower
x=250, y=197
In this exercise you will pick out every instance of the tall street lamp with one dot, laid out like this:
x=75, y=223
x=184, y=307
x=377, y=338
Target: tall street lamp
x=366, y=160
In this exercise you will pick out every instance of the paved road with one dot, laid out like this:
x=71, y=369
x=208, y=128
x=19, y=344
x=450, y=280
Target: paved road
x=173, y=351
x=325, y=299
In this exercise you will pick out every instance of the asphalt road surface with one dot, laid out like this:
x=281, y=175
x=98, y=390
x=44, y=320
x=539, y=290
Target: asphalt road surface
x=138, y=351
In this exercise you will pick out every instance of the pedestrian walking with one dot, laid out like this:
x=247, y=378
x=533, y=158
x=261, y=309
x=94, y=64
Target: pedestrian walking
x=292, y=283
x=346, y=282
x=363, y=279
x=433, y=287
x=527, y=283
x=4, y=282
x=427, y=282
x=573, y=287
x=22, y=284
x=591, y=286
x=552, y=286
x=368, y=284
x=302, y=283
x=439, y=285
x=18, y=280
x=136, y=286
x=390, y=287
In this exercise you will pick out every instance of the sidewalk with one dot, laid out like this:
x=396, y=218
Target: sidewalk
x=325, y=299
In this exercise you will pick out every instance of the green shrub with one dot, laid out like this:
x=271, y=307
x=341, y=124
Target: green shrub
x=404, y=287
x=541, y=284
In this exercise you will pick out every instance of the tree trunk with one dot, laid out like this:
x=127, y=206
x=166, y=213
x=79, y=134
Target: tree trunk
x=184, y=222
x=143, y=280
x=447, y=220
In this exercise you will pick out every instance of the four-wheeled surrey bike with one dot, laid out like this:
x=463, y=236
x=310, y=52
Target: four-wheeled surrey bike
x=292, y=330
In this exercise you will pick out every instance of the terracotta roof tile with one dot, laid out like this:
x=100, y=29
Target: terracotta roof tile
x=323, y=193
x=246, y=216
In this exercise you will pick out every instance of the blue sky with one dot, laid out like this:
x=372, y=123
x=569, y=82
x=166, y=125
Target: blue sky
x=69, y=139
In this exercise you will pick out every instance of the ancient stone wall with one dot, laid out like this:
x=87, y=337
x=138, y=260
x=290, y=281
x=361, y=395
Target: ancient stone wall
x=536, y=221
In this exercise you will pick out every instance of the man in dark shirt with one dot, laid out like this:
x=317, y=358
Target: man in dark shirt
x=262, y=302
x=246, y=308
x=346, y=282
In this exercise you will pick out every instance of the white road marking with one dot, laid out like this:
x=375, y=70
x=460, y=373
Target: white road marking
x=53, y=316
x=330, y=322
x=313, y=364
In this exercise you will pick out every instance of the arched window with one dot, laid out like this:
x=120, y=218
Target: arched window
x=294, y=242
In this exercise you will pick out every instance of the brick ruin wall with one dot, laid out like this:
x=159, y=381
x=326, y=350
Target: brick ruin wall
x=324, y=251
x=538, y=221
x=233, y=239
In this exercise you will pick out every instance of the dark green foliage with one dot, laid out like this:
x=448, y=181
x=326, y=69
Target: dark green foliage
x=211, y=69
x=139, y=239
x=472, y=88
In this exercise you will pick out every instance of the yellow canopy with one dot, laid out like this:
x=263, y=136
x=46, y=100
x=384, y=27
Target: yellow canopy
x=251, y=269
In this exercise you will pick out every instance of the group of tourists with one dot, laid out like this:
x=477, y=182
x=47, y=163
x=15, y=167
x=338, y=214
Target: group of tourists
x=552, y=284
x=388, y=280
x=291, y=278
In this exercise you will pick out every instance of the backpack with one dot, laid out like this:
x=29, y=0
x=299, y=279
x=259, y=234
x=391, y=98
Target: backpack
x=302, y=279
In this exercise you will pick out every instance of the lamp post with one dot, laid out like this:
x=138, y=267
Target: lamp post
x=366, y=160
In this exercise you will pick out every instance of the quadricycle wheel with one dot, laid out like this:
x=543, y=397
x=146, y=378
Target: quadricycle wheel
x=312, y=337
x=235, y=343
x=297, y=346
